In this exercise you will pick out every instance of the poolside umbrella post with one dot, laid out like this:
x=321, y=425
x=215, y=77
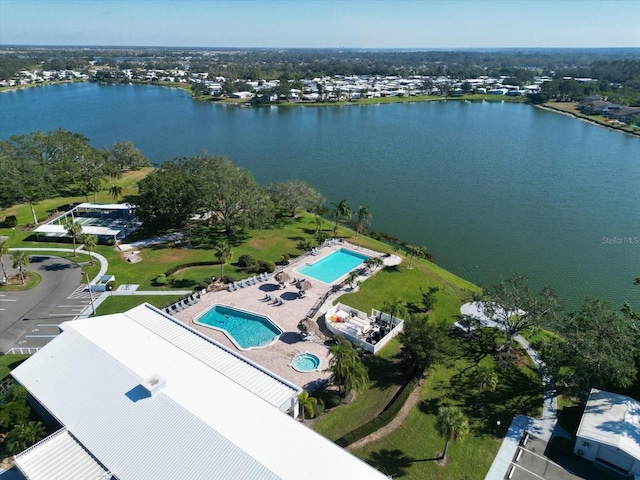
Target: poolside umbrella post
x=282, y=279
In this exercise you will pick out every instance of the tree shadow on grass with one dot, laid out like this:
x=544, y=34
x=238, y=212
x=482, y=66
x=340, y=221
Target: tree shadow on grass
x=392, y=462
x=384, y=373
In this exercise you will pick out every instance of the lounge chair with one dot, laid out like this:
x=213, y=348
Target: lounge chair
x=279, y=301
x=283, y=301
x=266, y=297
x=231, y=288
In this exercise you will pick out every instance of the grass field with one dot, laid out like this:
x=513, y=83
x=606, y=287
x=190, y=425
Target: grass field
x=8, y=363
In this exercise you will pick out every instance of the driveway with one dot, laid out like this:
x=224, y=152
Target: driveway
x=30, y=319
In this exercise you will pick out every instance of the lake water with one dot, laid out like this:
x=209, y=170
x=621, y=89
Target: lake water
x=490, y=188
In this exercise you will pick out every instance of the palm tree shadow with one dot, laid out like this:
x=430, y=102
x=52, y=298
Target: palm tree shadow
x=391, y=462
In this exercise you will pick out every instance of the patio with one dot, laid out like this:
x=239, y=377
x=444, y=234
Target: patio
x=277, y=357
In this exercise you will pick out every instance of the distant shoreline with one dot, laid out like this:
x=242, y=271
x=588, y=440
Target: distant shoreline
x=549, y=107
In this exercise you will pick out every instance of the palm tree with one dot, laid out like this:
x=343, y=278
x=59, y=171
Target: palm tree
x=90, y=242
x=23, y=435
x=115, y=191
x=307, y=403
x=94, y=185
x=373, y=263
x=487, y=379
x=451, y=424
x=341, y=212
x=4, y=250
x=20, y=260
x=352, y=278
x=420, y=252
x=223, y=253
x=395, y=307
x=347, y=370
x=364, y=218
x=74, y=229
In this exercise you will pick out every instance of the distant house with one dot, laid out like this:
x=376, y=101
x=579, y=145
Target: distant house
x=609, y=433
x=497, y=91
x=243, y=95
x=593, y=107
x=141, y=396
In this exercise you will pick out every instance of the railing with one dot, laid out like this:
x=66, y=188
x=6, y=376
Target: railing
x=23, y=350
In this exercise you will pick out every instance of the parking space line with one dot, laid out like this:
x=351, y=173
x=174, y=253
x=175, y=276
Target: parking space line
x=40, y=336
x=8, y=299
x=61, y=315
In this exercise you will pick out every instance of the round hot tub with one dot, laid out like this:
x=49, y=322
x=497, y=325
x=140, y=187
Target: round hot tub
x=306, y=362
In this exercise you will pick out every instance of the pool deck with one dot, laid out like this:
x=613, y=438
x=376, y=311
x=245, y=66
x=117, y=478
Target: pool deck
x=277, y=356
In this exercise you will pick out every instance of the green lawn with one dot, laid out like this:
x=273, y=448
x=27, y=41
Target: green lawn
x=121, y=303
x=8, y=363
x=409, y=451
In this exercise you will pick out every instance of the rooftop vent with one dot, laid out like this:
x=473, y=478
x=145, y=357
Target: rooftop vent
x=154, y=383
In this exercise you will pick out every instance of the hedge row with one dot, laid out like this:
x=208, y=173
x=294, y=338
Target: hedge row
x=390, y=412
x=173, y=270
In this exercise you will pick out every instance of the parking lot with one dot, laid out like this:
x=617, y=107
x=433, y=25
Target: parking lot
x=30, y=319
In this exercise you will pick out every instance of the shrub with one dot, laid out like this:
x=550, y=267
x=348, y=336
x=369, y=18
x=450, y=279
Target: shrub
x=10, y=221
x=381, y=420
x=285, y=259
x=161, y=280
x=330, y=399
x=245, y=260
x=318, y=408
x=208, y=281
x=269, y=267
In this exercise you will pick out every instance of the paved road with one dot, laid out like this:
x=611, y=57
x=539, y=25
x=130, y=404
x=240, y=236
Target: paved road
x=31, y=318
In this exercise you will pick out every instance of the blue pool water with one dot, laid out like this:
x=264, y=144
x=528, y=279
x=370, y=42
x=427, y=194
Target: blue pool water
x=306, y=362
x=333, y=266
x=245, y=329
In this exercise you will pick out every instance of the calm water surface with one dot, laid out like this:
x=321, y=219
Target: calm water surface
x=490, y=188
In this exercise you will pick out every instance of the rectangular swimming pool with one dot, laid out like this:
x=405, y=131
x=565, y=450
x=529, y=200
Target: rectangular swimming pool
x=333, y=266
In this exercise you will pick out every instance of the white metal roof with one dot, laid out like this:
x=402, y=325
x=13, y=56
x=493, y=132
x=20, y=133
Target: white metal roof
x=267, y=385
x=201, y=424
x=91, y=230
x=60, y=457
x=612, y=419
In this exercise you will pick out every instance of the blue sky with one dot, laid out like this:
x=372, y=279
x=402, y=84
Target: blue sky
x=323, y=24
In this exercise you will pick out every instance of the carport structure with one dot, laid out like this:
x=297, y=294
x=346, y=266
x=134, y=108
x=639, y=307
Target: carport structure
x=114, y=220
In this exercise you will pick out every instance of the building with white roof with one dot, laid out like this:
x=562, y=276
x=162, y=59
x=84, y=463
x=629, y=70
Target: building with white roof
x=609, y=432
x=141, y=396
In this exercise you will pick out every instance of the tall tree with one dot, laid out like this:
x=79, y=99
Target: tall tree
x=363, y=216
x=347, y=370
x=90, y=242
x=341, y=212
x=127, y=155
x=598, y=349
x=293, y=195
x=115, y=191
x=424, y=342
x=451, y=424
x=223, y=253
x=4, y=250
x=395, y=307
x=413, y=252
x=20, y=260
x=74, y=230
x=514, y=306
x=486, y=378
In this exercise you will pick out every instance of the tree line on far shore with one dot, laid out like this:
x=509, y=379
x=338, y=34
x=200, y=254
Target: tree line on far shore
x=43, y=165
